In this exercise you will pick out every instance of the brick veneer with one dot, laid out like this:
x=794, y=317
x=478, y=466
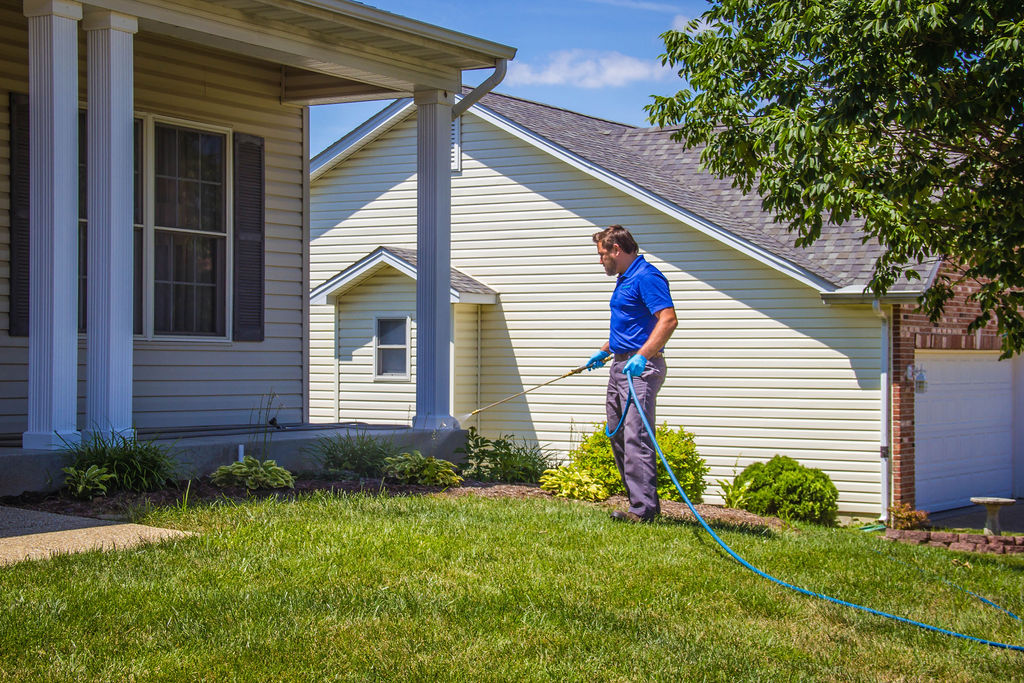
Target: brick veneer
x=976, y=543
x=911, y=330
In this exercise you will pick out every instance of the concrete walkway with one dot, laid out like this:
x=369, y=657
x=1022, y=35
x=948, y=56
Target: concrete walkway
x=1011, y=518
x=33, y=535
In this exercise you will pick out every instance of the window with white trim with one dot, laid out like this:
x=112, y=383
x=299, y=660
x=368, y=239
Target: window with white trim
x=391, y=348
x=180, y=247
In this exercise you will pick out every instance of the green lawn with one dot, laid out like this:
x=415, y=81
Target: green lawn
x=428, y=588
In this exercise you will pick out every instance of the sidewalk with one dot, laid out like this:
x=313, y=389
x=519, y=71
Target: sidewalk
x=33, y=535
x=1011, y=518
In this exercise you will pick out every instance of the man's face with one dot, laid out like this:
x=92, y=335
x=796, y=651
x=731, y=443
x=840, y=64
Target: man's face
x=609, y=258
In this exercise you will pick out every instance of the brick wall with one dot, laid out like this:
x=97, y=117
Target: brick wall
x=912, y=330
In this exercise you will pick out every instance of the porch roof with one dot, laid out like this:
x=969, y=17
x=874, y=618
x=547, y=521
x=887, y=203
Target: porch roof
x=330, y=50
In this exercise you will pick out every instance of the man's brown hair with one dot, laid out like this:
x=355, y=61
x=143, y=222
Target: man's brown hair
x=616, y=235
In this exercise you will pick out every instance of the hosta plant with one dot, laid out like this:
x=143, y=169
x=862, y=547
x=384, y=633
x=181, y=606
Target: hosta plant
x=414, y=468
x=87, y=482
x=570, y=482
x=253, y=474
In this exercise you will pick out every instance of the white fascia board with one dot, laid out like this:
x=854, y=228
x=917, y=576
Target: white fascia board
x=856, y=294
x=673, y=210
x=473, y=298
x=365, y=133
x=350, y=277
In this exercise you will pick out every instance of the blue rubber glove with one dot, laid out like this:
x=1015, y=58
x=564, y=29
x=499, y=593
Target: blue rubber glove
x=597, y=360
x=636, y=366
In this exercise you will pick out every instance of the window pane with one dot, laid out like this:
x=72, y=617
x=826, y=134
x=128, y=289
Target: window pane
x=391, y=332
x=188, y=205
x=189, y=158
x=138, y=280
x=390, y=361
x=190, y=285
x=166, y=151
x=190, y=190
x=162, y=308
x=213, y=158
x=138, y=172
x=167, y=202
x=212, y=208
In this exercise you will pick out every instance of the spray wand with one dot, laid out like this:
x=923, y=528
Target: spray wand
x=550, y=381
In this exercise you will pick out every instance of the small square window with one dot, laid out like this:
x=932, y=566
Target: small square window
x=391, y=352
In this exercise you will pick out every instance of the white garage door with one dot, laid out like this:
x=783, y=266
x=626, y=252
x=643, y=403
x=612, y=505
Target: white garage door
x=964, y=429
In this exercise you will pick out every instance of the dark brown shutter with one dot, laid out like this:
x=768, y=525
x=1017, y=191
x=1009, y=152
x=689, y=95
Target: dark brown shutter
x=18, y=317
x=249, y=238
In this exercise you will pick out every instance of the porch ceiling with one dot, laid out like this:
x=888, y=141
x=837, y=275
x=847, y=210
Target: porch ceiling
x=333, y=50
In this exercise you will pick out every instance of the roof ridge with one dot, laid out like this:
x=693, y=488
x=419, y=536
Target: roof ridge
x=553, y=108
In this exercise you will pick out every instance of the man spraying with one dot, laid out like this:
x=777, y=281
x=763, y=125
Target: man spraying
x=643, y=318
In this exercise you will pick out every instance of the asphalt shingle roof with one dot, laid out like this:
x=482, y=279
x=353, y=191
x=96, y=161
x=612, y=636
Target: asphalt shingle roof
x=460, y=282
x=650, y=159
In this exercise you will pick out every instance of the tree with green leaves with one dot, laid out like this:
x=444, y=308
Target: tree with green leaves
x=906, y=115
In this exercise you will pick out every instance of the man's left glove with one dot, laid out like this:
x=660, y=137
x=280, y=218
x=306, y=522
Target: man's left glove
x=636, y=366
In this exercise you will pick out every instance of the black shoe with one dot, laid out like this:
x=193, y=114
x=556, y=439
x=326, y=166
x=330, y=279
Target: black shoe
x=620, y=516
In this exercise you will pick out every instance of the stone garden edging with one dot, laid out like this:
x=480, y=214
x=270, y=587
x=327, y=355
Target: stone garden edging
x=972, y=543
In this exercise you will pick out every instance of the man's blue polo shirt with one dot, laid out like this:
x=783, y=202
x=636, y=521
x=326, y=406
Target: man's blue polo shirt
x=639, y=293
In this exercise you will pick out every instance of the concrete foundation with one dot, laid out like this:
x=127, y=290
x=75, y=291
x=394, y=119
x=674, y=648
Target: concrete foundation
x=200, y=454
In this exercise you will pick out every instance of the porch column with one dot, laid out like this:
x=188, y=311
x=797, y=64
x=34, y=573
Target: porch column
x=53, y=217
x=433, y=260
x=111, y=230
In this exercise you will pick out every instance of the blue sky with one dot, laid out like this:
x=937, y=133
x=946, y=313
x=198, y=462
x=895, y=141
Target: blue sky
x=597, y=57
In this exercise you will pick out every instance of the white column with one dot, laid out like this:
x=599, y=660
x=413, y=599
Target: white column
x=433, y=260
x=111, y=216
x=53, y=221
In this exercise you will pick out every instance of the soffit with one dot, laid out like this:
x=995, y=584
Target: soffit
x=346, y=40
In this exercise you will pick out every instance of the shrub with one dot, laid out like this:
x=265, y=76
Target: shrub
x=414, y=468
x=902, y=516
x=136, y=465
x=86, y=483
x=785, y=488
x=253, y=474
x=594, y=456
x=358, y=455
x=569, y=482
x=503, y=459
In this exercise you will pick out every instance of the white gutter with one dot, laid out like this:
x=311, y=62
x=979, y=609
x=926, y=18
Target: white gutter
x=885, y=430
x=500, y=67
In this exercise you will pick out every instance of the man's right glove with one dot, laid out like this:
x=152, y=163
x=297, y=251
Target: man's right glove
x=597, y=360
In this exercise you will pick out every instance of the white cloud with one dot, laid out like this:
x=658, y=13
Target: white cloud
x=588, y=69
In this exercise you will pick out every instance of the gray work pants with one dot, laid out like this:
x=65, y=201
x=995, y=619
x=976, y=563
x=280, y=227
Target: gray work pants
x=632, y=446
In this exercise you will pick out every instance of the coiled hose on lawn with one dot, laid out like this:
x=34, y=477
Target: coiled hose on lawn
x=798, y=589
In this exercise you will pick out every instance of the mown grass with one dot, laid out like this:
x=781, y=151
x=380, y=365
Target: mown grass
x=430, y=588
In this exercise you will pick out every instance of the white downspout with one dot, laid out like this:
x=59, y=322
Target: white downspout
x=479, y=91
x=885, y=431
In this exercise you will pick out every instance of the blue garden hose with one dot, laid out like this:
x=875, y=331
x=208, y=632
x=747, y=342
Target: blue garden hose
x=672, y=475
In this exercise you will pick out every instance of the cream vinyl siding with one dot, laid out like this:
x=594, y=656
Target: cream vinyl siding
x=758, y=365
x=189, y=383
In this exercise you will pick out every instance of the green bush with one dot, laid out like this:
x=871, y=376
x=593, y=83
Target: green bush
x=785, y=488
x=503, y=459
x=358, y=455
x=136, y=465
x=594, y=457
x=413, y=468
x=253, y=474
x=86, y=483
x=569, y=482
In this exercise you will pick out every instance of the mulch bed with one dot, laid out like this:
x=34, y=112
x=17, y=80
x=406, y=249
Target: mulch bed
x=118, y=504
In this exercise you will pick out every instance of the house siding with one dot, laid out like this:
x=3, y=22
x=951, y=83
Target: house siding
x=186, y=383
x=758, y=365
